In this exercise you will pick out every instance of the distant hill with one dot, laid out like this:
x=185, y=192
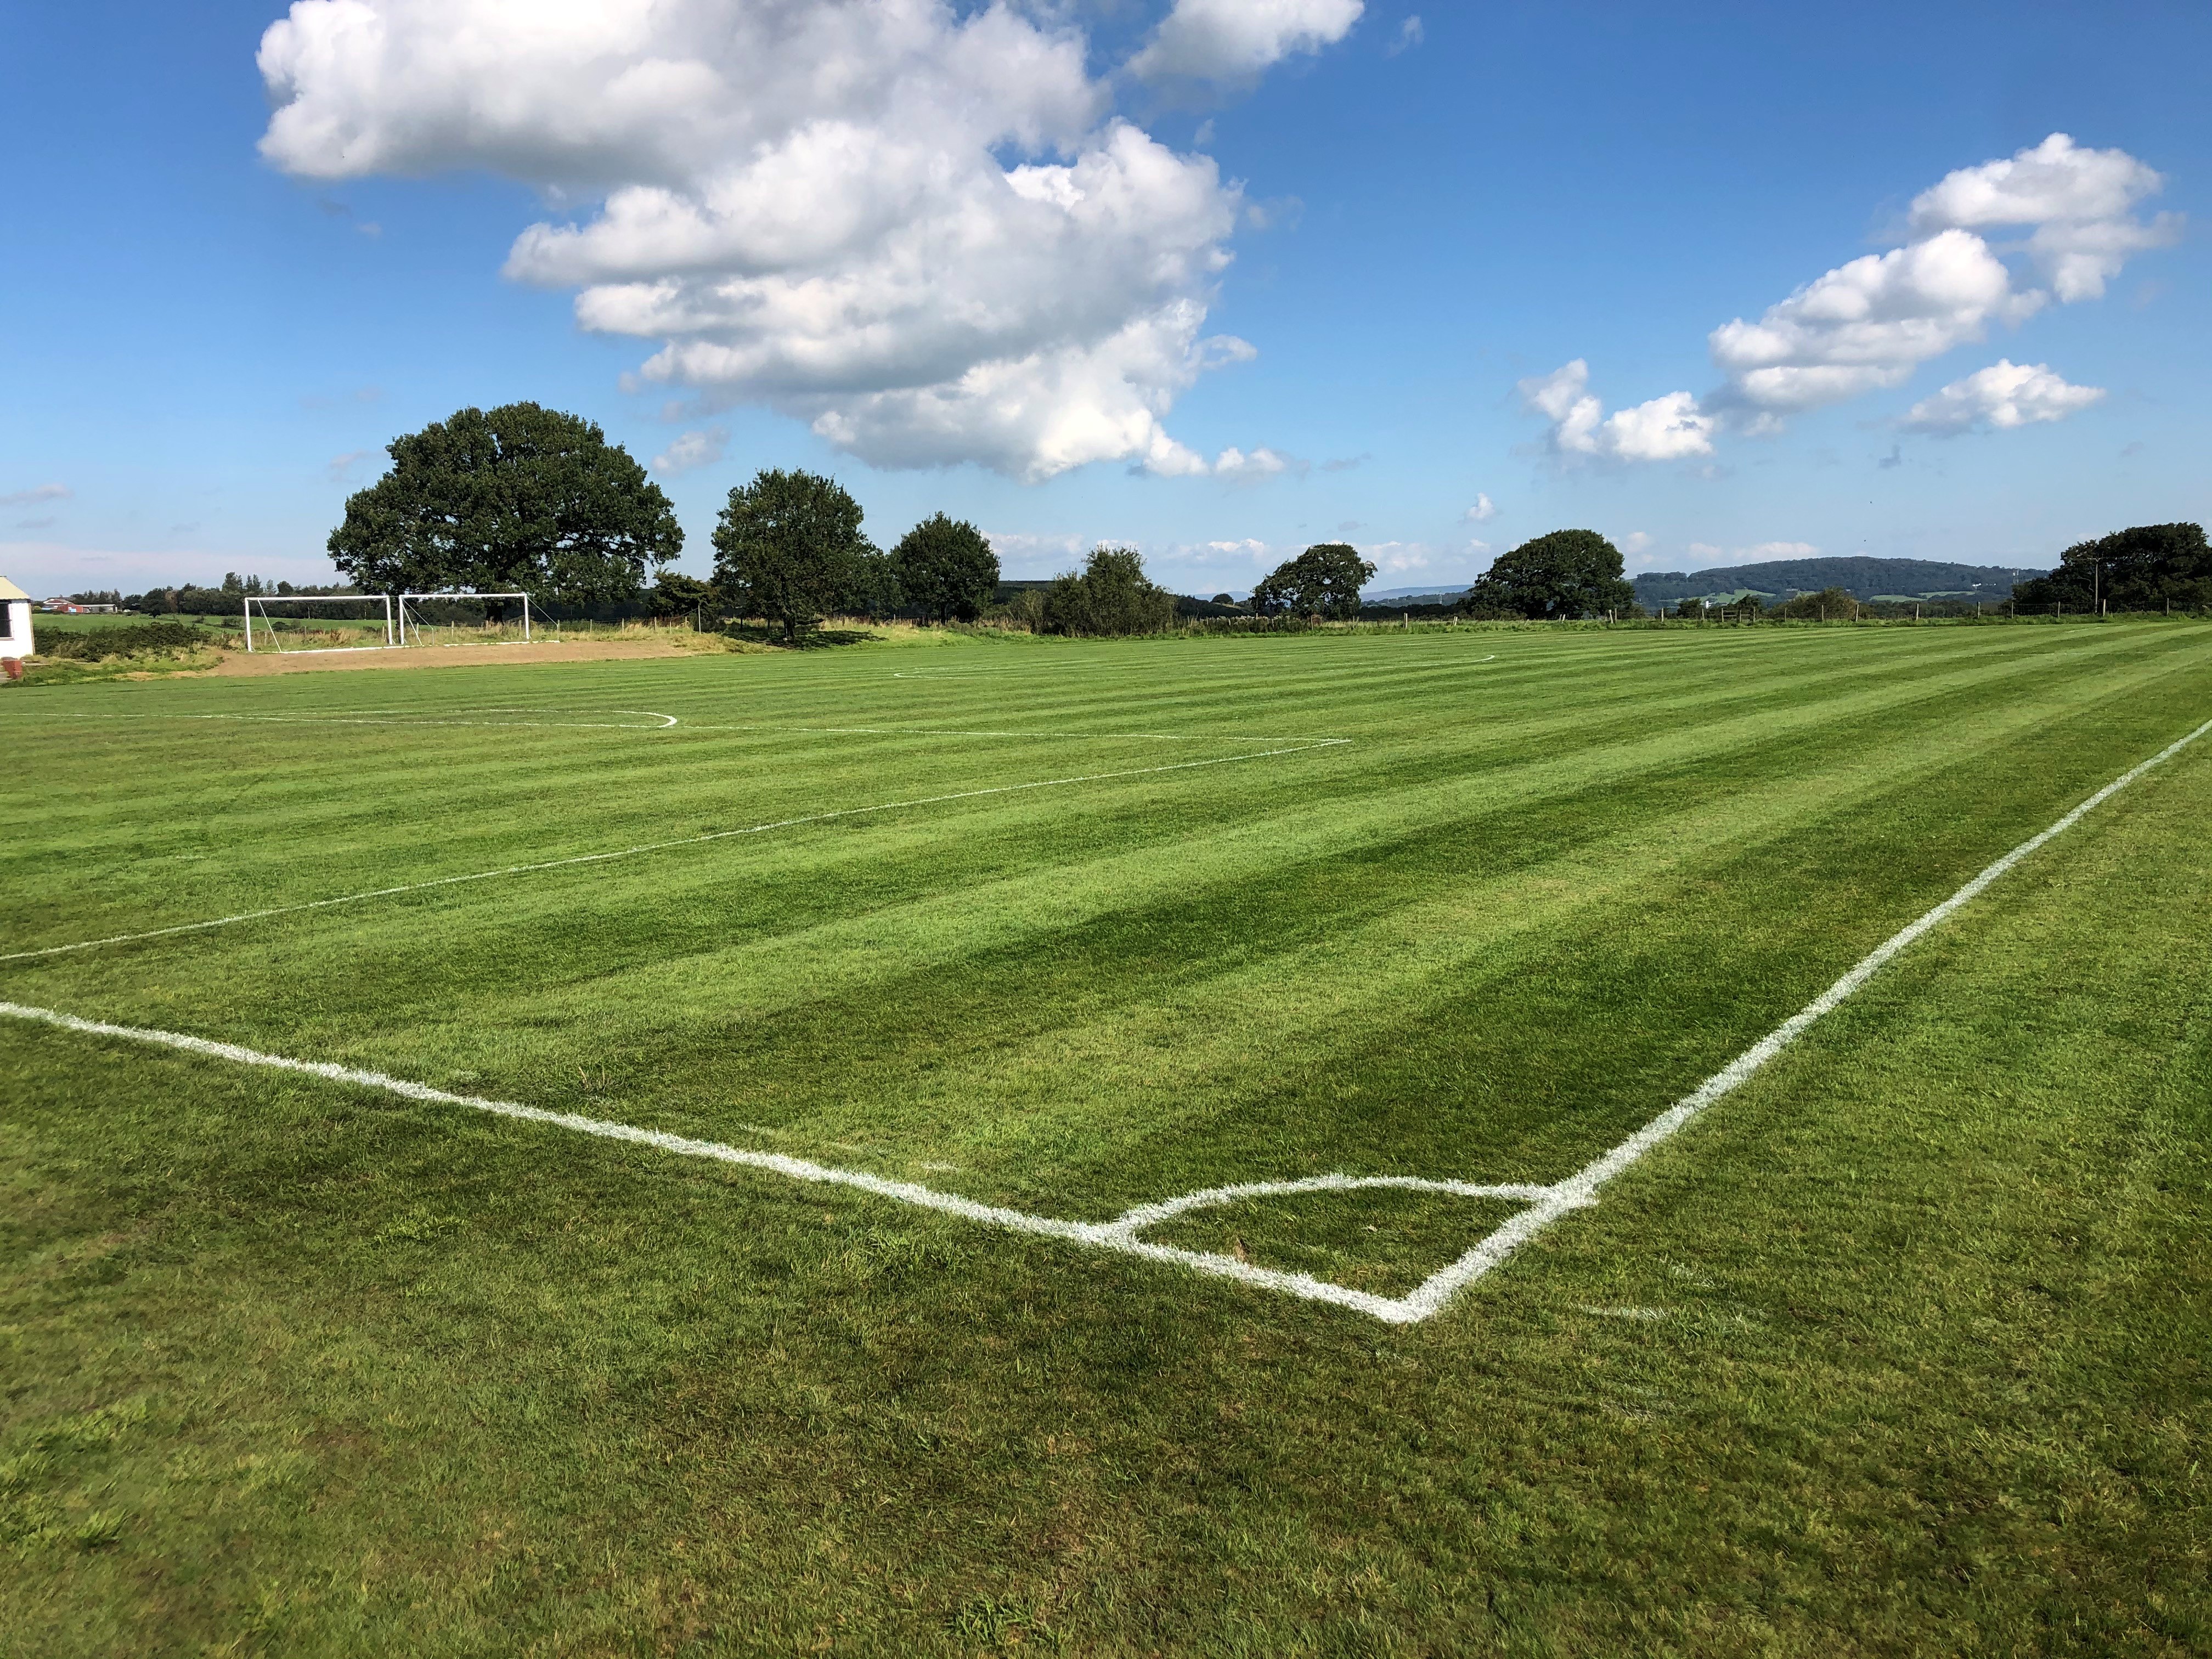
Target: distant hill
x=1862, y=578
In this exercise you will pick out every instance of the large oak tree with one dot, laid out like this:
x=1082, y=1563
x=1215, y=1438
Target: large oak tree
x=1566, y=574
x=517, y=497
x=1322, y=582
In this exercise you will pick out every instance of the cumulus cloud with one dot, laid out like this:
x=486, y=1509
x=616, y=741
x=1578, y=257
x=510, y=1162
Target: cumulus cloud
x=1671, y=428
x=1868, y=324
x=702, y=447
x=36, y=493
x=1482, y=510
x=1238, y=39
x=1635, y=542
x=1258, y=465
x=2080, y=201
x=920, y=229
x=2005, y=394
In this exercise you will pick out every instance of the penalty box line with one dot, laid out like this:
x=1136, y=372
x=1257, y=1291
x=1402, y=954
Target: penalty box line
x=658, y=846
x=1547, y=1204
x=406, y=721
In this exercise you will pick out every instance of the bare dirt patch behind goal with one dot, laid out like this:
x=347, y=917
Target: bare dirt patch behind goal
x=445, y=656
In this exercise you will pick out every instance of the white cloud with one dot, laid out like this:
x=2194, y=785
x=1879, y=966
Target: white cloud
x=2079, y=200
x=1410, y=34
x=1482, y=510
x=1021, y=551
x=2005, y=394
x=919, y=229
x=1258, y=463
x=45, y=492
x=1635, y=542
x=341, y=466
x=1672, y=427
x=1238, y=39
x=1395, y=558
x=702, y=447
x=1867, y=324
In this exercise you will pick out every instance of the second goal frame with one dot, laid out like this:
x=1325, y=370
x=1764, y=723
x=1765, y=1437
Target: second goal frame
x=404, y=598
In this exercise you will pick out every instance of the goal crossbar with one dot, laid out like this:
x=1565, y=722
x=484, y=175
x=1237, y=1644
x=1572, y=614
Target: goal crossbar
x=265, y=600
x=456, y=598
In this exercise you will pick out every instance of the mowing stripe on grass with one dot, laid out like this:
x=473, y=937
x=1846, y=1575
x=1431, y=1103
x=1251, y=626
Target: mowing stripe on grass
x=1579, y=1190
x=656, y=847
x=1547, y=1204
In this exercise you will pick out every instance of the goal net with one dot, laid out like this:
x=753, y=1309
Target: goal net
x=317, y=622
x=462, y=618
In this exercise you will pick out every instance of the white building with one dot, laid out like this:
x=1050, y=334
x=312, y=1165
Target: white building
x=15, y=621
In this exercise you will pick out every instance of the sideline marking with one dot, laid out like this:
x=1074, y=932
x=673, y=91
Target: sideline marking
x=1547, y=1203
x=372, y=716
x=1301, y=748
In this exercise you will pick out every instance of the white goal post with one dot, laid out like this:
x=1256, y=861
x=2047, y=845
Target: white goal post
x=264, y=600
x=456, y=598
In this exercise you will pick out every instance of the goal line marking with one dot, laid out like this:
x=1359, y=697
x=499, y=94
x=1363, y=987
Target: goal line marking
x=403, y=718
x=375, y=716
x=658, y=847
x=1123, y=1235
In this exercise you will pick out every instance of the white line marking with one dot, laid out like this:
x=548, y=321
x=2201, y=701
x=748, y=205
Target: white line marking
x=372, y=716
x=1101, y=736
x=1119, y=1235
x=656, y=847
x=1547, y=1204
x=1579, y=1191
x=377, y=717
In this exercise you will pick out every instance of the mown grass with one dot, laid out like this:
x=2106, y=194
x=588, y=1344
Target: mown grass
x=1900, y=1352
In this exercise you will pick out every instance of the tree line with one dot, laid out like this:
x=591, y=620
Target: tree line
x=534, y=500
x=531, y=499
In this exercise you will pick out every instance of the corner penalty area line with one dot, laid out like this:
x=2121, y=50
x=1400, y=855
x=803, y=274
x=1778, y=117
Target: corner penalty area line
x=660, y=847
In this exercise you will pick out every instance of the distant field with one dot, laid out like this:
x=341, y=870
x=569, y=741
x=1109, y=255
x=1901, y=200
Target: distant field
x=1901, y=1349
x=60, y=623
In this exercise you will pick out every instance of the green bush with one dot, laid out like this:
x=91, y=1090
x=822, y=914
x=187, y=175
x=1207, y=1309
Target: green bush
x=1111, y=597
x=150, y=639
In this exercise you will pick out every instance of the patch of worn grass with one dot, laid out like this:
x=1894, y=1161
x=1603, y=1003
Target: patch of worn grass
x=1899, y=1352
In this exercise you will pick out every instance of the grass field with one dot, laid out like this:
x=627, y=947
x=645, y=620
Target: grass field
x=1899, y=1350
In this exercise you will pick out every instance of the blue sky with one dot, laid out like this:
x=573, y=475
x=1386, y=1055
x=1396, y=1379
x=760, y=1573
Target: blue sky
x=1265, y=273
